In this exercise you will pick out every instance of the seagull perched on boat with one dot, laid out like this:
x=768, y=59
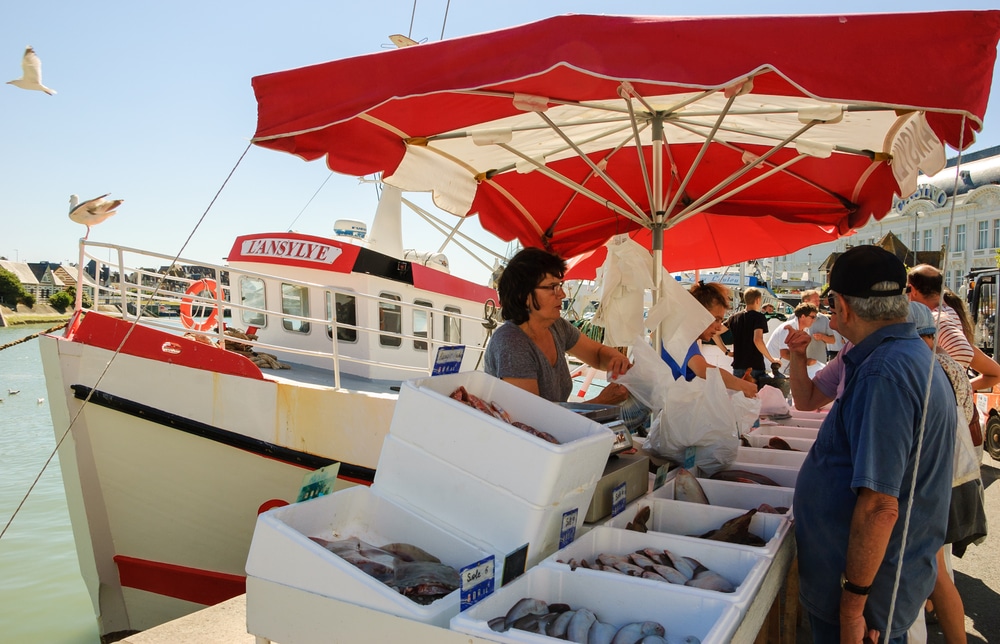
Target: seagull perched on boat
x=93, y=211
x=31, y=73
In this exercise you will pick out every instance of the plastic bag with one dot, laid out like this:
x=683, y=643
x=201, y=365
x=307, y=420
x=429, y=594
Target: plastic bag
x=628, y=272
x=772, y=401
x=698, y=414
x=967, y=456
x=648, y=378
x=747, y=410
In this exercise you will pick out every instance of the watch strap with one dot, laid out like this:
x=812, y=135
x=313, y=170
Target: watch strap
x=853, y=588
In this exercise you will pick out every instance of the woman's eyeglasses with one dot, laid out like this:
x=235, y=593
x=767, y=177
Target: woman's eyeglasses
x=557, y=286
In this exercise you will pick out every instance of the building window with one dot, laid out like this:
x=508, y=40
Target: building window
x=390, y=320
x=996, y=233
x=345, y=311
x=295, y=301
x=983, y=235
x=958, y=278
x=422, y=324
x=959, y=238
x=252, y=296
x=913, y=241
x=452, y=326
x=928, y=239
x=946, y=238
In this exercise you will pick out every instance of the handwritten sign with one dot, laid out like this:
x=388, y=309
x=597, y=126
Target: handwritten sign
x=618, y=499
x=477, y=582
x=567, y=533
x=448, y=360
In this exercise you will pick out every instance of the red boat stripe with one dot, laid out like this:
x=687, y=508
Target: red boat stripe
x=206, y=587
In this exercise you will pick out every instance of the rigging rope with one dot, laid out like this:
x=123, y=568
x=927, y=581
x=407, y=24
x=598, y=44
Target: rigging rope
x=128, y=334
x=33, y=336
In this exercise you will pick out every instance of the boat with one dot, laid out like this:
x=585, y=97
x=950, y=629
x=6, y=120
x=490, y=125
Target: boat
x=172, y=437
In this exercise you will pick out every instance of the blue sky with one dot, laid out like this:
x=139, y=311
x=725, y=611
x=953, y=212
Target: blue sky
x=154, y=105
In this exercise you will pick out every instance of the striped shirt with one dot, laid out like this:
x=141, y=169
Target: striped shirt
x=951, y=338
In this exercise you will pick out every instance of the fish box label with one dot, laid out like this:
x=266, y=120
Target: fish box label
x=618, y=499
x=567, y=533
x=448, y=360
x=477, y=582
x=661, y=477
x=319, y=482
x=689, y=455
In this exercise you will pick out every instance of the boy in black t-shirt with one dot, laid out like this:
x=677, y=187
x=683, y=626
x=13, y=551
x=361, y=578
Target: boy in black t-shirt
x=748, y=328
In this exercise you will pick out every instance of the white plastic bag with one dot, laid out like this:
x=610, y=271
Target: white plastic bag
x=627, y=273
x=772, y=401
x=967, y=455
x=698, y=414
x=649, y=376
x=747, y=410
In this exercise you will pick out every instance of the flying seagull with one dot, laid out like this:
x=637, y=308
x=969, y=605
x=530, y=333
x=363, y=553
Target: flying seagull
x=31, y=73
x=93, y=211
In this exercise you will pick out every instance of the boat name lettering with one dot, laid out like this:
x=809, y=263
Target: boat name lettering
x=291, y=249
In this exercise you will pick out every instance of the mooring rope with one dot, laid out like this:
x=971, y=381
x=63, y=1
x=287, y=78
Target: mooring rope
x=33, y=336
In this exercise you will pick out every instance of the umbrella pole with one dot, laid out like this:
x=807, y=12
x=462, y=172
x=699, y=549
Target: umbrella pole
x=658, y=215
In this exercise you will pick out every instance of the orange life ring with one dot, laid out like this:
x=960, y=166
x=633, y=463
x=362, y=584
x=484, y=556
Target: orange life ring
x=196, y=289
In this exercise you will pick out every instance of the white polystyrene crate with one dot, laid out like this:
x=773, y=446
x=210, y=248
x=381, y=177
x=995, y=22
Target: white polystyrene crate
x=819, y=415
x=531, y=468
x=786, y=431
x=735, y=495
x=783, y=476
x=614, y=600
x=742, y=568
x=282, y=552
x=783, y=457
x=488, y=513
x=690, y=520
x=760, y=440
x=799, y=421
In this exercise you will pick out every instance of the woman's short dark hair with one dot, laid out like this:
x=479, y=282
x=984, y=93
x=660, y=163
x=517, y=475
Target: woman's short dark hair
x=523, y=273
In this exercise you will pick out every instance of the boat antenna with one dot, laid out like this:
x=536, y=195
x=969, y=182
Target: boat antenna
x=443, y=22
x=413, y=14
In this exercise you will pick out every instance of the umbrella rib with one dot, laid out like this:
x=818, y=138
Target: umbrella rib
x=701, y=152
x=593, y=166
x=748, y=166
x=569, y=183
x=562, y=149
x=627, y=89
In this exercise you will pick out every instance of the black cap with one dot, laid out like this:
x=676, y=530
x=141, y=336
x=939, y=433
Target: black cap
x=856, y=271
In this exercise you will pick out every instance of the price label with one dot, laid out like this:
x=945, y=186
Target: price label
x=661, y=477
x=689, y=455
x=477, y=582
x=618, y=499
x=318, y=482
x=568, y=531
x=448, y=360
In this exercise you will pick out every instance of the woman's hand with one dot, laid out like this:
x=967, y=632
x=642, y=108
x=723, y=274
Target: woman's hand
x=613, y=394
x=616, y=362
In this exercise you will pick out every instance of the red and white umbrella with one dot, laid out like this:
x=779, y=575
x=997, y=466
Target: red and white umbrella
x=564, y=132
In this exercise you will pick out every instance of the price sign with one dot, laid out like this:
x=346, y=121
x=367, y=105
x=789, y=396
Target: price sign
x=567, y=533
x=448, y=360
x=477, y=582
x=689, y=455
x=618, y=499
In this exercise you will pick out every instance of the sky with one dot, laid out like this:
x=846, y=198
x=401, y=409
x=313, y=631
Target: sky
x=155, y=106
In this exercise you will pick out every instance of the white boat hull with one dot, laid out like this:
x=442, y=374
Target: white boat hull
x=167, y=466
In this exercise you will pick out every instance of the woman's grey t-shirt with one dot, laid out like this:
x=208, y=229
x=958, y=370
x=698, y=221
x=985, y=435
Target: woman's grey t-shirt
x=512, y=354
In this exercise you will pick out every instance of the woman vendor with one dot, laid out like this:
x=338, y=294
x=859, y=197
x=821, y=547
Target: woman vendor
x=715, y=298
x=528, y=350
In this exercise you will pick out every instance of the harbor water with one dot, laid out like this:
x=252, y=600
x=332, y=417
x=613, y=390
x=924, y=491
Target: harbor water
x=42, y=595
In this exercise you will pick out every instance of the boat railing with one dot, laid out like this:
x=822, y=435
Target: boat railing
x=141, y=292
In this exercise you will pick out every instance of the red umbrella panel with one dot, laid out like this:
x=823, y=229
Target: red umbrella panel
x=564, y=132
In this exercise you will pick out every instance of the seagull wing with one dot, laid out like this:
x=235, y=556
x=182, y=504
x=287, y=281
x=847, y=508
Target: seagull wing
x=82, y=213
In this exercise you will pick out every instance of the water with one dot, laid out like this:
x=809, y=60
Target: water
x=42, y=595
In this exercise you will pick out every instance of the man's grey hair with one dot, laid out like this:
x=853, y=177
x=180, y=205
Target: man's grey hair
x=890, y=307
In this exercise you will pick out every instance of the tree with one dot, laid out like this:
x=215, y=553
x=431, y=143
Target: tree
x=11, y=291
x=61, y=301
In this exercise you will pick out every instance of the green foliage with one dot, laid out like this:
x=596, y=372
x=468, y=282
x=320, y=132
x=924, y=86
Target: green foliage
x=11, y=291
x=61, y=301
x=71, y=290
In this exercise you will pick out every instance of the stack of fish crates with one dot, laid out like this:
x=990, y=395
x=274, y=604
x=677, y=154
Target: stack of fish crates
x=486, y=478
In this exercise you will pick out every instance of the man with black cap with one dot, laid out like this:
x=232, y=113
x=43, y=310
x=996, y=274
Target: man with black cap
x=853, y=490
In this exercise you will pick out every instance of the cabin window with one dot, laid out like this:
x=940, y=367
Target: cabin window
x=252, y=295
x=295, y=301
x=422, y=323
x=390, y=319
x=346, y=313
x=452, y=326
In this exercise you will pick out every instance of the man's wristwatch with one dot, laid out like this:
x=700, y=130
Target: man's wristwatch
x=853, y=588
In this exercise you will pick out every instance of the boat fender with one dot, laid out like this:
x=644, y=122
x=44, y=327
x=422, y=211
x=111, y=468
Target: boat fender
x=196, y=289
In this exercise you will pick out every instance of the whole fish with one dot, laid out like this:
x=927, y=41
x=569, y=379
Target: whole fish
x=637, y=631
x=630, y=569
x=558, y=626
x=525, y=606
x=670, y=574
x=641, y=560
x=638, y=524
x=776, y=442
x=735, y=530
x=579, y=626
x=687, y=488
x=710, y=580
x=742, y=476
x=410, y=552
x=601, y=633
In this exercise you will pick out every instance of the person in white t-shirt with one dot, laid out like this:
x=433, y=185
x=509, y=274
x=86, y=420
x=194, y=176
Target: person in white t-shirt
x=804, y=316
